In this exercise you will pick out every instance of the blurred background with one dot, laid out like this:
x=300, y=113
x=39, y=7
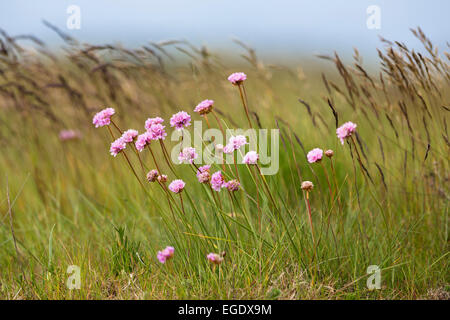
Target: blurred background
x=278, y=30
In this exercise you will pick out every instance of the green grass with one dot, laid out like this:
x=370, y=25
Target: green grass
x=74, y=204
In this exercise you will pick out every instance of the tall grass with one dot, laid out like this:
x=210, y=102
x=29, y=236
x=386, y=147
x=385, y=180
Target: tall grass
x=382, y=199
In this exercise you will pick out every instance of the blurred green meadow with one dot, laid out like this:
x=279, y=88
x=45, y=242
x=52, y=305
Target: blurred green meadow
x=69, y=202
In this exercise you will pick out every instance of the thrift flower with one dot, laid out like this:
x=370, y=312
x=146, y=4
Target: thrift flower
x=180, y=120
x=345, y=131
x=129, y=135
x=176, y=186
x=237, y=141
x=215, y=258
x=307, y=185
x=165, y=254
x=142, y=140
x=251, y=158
x=228, y=149
x=232, y=185
x=188, y=154
x=151, y=121
x=237, y=78
x=152, y=175
x=65, y=135
x=157, y=132
x=204, y=107
x=329, y=153
x=162, y=178
x=203, y=174
x=103, y=118
x=117, y=146
x=315, y=155
x=217, y=181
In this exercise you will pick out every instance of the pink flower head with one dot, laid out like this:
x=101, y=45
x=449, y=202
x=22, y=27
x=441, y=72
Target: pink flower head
x=180, y=120
x=204, y=107
x=237, y=78
x=152, y=175
x=129, y=135
x=345, y=131
x=203, y=174
x=315, y=155
x=117, y=146
x=176, y=186
x=217, y=181
x=228, y=149
x=251, y=158
x=157, y=132
x=237, y=141
x=65, y=135
x=232, y=185
x=165, y=254
x=103, y=118
x=215, y=258
x=142, y=140
x=151, y=121
x=187, y=155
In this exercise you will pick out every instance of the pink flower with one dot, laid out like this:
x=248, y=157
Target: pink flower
x=217, y=181
x=165, y=254
x=204, y=107
x=237, y=141
x=152, y=175
x=180, y=120
x=345, y=131
x=65, y=135
x=162, y=178
x=250, y=158
x=188, y=154
x=203, y=174
x=315, y=155
x=237, y=78
x=129, y=135
x=215, y=258
x=117, y=146
x=142, y=140
x=151, y=121
x=103, y=118
x=228, y=149
x=157, y=131
x=176, y=186
x=232, y=185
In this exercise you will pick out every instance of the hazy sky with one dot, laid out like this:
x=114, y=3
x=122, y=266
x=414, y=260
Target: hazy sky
x=279, y=27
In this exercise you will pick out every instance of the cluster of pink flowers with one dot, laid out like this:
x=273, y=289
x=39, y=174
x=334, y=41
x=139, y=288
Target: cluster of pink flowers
x=203, y=174
x=152, y=121
x=215, y=258
x=235, y=143
x=204, y=107
x=65, y=135
x=345, y=131
x=232, y=185
x=129, y=135
x=187, y=155
x=217, y=181
x=180, y=120
x=152, y=175
x=176, y=186
x=117, y=146
x=103, y=118
x=165, y=254
x=315, y=155
x=142, y=140
x=251, y=158
x=237, y=78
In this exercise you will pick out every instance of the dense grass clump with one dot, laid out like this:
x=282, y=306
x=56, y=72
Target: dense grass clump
x=380, y=198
